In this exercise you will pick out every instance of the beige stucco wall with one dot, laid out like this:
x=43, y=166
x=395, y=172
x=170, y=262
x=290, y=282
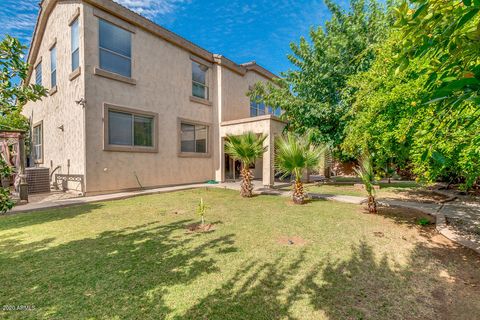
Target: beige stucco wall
x=236, y=103
x=160, y=84
x=60, y=109
x=163, y=85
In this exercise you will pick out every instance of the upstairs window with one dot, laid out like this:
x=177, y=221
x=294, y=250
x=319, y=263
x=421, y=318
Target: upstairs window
x=278, y=111
x=257, y=109
x=53, y=67
x=37, y=143
x=193, y=138
x=260, y=109
x=115, y=49
x=199, y=81
x=38, y=74
x=75, y=45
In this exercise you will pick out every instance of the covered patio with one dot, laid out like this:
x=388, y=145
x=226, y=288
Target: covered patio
x=269, y=125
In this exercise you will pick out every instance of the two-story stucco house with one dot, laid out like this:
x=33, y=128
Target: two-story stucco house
x=133, y=105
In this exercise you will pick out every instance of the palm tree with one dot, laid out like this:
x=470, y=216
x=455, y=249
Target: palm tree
x=247, y=148
x=365, y=172
x=294, y=154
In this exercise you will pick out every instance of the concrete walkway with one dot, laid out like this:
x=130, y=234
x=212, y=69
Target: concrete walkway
x=463, y=219
x=36, y=206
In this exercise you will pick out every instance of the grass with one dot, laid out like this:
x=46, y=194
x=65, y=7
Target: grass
x=133, y=259
x=387, y=190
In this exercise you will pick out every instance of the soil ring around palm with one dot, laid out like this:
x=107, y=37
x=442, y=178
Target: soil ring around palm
x=200, y=228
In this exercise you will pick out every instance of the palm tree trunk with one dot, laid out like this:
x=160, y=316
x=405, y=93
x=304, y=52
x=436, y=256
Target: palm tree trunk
x=246, y=186
x=372, y=204
x=298, y=193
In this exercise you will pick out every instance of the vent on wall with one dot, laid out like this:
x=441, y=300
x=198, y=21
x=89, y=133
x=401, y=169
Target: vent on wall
x=38, y=180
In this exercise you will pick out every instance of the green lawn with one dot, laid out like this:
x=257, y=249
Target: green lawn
x=133, y=259
x=390, y=190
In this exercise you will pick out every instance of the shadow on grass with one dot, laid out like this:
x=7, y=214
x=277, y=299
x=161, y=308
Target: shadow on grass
x=407, y=217
x=119, y=274
x=20, y=220
x=127, y=274
x=362, y=287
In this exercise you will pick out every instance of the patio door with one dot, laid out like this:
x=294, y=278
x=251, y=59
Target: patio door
x=232, y=168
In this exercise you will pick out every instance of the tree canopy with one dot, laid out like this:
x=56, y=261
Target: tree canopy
x=14, y=93
x=390, y=119
x=311, y=94
x=400, y=82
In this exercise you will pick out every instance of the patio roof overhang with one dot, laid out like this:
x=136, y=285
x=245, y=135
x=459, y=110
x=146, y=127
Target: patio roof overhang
x=261, y=124
x=269, y=125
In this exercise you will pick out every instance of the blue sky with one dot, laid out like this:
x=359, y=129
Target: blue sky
x=241, y=30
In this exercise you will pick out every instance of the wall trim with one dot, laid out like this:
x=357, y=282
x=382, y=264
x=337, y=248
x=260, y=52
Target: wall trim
x=201, y=61
x=114, y=20
x=74, y=17
x=201, y=101
x=74, y=74
x=113, y=76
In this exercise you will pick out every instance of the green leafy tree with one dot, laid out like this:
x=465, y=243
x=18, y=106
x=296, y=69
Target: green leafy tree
x=390, y=120
x=447, y=34
x=14, y=93
x=385, y=105
x=14, y=121
x=247, y=148
x=6, y=203
x=295, y=154
x=311, y=93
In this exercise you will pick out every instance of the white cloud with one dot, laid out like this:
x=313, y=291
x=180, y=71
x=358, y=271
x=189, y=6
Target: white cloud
x=152, y=8
x=17, y=18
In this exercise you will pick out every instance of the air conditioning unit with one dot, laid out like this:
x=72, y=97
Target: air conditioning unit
x=38, y=180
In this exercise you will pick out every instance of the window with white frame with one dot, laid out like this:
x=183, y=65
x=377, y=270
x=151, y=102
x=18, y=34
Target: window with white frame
x=37, y=143
x=193, y=138
x=53, y=66
x=130, y=129
x=38, y=74
x=115, y=49
x=75, y=44
x=199, y=80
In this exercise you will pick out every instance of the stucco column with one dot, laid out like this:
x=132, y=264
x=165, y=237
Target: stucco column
x=268, y=162
x=220, y=165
